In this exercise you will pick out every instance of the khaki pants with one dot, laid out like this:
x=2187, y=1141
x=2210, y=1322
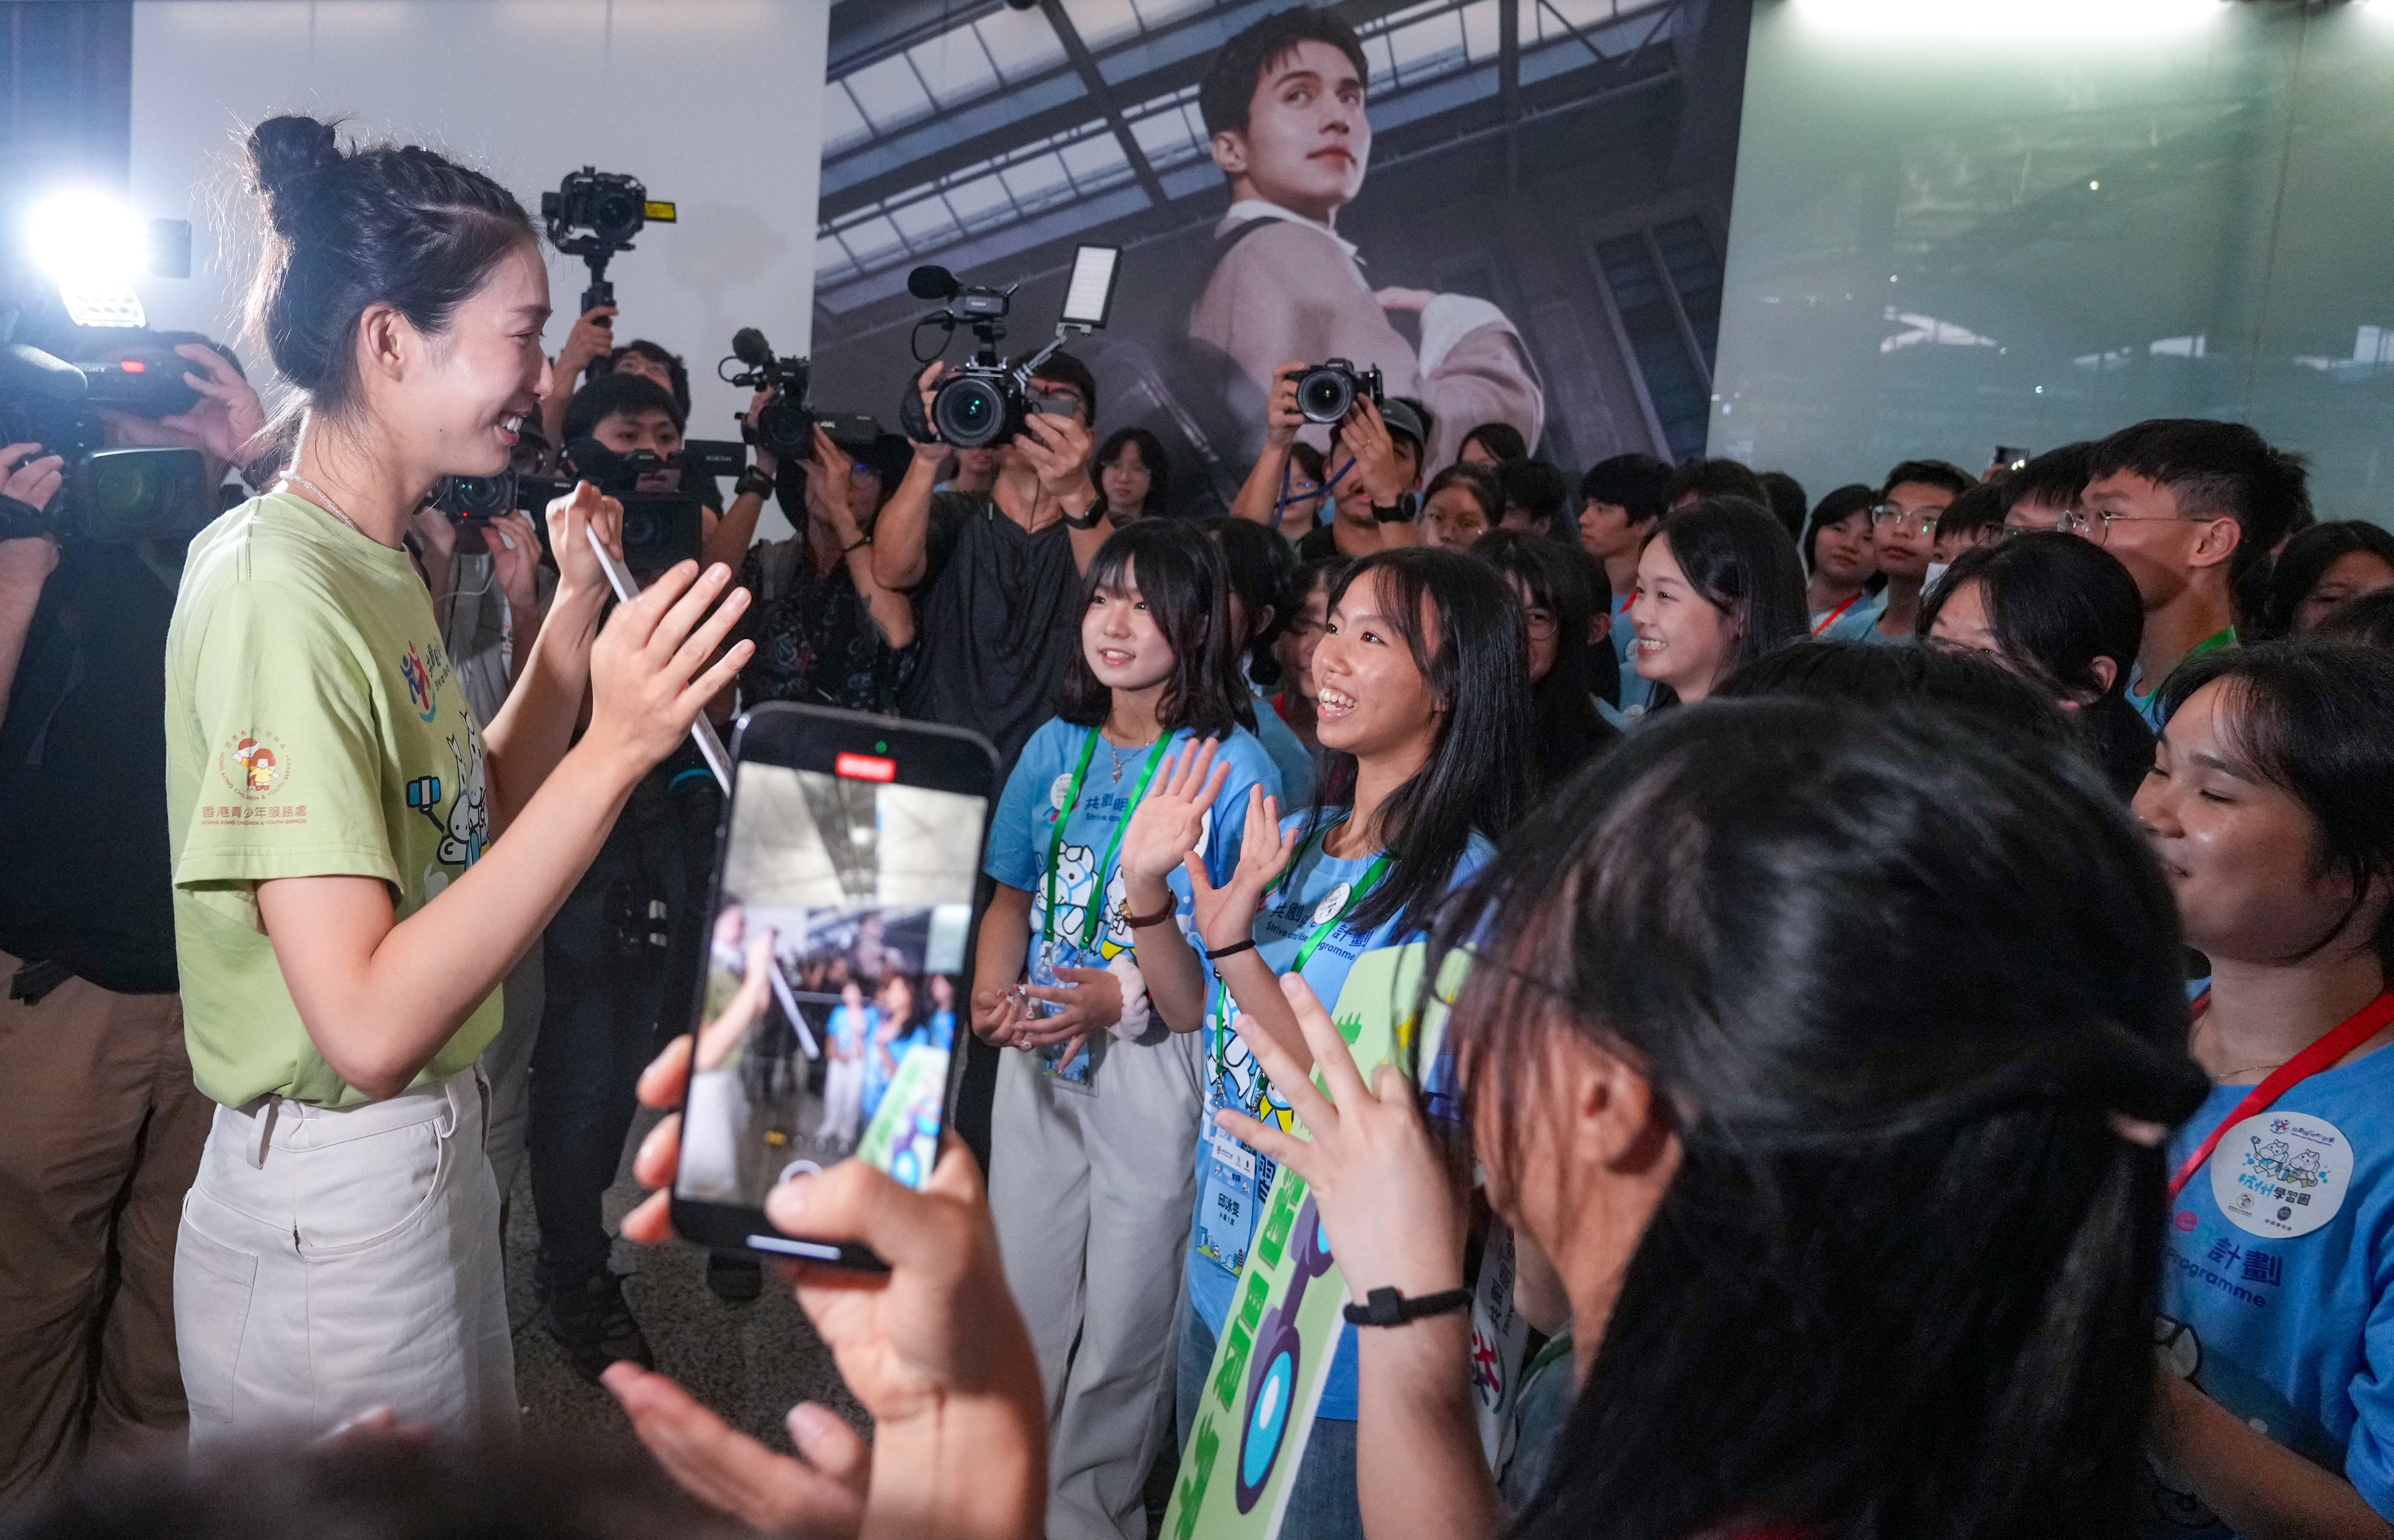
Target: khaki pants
x=100, y=1137
x=1092, y=1191
x=333, y=1262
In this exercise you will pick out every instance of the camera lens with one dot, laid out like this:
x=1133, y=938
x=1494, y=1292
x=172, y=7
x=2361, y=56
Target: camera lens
x=125, y=498
x=968, y=413
x=642, y=527
x=1324, y=395
x=483, y=496
x=788, y=430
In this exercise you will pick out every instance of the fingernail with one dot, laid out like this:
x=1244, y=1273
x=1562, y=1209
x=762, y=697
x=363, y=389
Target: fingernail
x=649, y=1145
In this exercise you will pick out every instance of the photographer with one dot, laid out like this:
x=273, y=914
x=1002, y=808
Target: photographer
x=1375, y=458
x=104, y=1126
x=996, y=577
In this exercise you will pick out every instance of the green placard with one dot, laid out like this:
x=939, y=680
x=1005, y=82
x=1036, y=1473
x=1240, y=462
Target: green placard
x=1273, y=1355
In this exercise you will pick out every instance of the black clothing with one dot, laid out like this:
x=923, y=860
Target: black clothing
x=815, y=638
x=996, y=618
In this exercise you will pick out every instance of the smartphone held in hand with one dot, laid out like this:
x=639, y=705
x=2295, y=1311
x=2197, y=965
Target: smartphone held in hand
x=850, y=851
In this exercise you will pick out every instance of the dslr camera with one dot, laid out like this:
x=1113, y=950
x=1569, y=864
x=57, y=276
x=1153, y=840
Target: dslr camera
x=987, y=399
x=108, y=496
x=1326, y=393
x=593, y=215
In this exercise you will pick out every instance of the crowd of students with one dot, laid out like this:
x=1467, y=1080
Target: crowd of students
x=1916, y=943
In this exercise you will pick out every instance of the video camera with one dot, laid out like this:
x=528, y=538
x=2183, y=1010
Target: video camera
x=1326, y=393
x=608, y=208
x=786, y=427
x=660, y=525
x=108, y=496
x=987, y=399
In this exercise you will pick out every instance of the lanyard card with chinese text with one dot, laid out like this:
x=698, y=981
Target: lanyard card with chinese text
x=1255, y=1411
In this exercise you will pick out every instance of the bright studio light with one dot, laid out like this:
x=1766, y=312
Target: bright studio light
x=92, y=247
x=2025, y=21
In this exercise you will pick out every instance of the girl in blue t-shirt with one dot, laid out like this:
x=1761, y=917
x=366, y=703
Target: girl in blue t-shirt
x=1096, y=1110
x=2268, y=805
x=1424, y=717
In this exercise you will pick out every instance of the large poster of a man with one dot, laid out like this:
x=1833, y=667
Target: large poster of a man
x=1286, y=104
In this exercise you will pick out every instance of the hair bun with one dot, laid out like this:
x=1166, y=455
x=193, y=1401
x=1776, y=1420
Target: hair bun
x=288, y=158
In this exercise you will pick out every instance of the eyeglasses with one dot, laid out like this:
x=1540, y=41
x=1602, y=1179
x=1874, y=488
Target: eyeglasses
x=1904, y=517
x=2096, y=524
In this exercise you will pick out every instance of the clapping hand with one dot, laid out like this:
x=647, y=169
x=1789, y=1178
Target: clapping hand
x=1228, y=914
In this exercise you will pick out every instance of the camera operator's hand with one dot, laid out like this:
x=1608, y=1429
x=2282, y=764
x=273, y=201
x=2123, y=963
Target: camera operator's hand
x=649, y=672
x=228, y=422
x=513, y=545
x=927, y=385
x=828, y=475
x=1059, y=450
x=577, y=567
x=1377, y=471
x=1282, y=419
x=767, y=461
x=590, y=338
x=29, y=476
x=934, y=1350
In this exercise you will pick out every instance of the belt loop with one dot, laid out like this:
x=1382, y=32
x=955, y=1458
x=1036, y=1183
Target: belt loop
x=265, y=1122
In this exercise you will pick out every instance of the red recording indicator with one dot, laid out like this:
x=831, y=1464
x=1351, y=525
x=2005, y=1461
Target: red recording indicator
x=866, y=767
x=134, y=367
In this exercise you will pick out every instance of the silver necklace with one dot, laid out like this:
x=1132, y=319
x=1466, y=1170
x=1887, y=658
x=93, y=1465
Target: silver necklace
x=324, y=497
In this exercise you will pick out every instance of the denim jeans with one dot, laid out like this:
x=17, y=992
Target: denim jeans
x=1321, y=1502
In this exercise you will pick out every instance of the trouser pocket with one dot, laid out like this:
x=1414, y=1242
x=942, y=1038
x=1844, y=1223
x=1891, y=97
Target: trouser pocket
x=214, y=1283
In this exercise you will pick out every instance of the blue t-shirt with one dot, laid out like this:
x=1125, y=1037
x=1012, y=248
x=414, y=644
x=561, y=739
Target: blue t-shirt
x=851, y=1030
x=1234, y=1182
x=1858, y=623
x=1289, y=756
x=2278, y=1275
x=1026, y=818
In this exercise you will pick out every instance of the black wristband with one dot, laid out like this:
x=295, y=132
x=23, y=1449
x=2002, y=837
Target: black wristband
x=753, y=480
x=1388, y=1307
x=1218, y=953
x=1088, y=520
x=1402, y=511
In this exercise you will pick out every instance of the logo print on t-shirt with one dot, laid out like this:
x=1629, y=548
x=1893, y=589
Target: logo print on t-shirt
x=419, y=684
x=254, y=765
x=2281, y=1174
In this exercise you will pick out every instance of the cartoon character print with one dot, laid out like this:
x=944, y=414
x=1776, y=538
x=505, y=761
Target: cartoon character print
x=468, y=831
x=257, y=763
x=2279, y=1163
x=420, y=683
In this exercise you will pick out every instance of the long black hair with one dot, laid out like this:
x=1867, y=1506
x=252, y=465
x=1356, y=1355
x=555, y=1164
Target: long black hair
x=383, y=224
x=1564, y=726
x=2056, y=604
x=2306, y=561
x=1260, y=565
x=1185, y=585
x=1150, y=454
x=2316, y=719
x=1873, y=677
x=1738, y=558
x=1835, y=505
x=1892, y=975
x=1468, y=648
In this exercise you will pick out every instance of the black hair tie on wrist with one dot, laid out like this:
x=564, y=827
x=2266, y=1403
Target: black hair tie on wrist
x=1218, y=953
x=1388, y=1307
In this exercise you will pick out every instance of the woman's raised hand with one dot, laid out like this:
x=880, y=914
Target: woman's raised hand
x=1170, y=818
x=649, y=677
x=1228, y=914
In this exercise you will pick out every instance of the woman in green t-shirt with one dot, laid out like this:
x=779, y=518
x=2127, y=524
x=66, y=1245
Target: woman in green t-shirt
x=344, y=906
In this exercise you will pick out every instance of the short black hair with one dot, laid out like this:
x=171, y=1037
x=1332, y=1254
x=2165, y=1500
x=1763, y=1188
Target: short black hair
x=1501, y=439
x=611, y=395
x=1929, y=473
x=2051, y=479
x=1534, y=487
x=1784, y=496
x=1062, y=368
x=1150, y=454
x=1716, y=478
x=1229, y=89
x=1863, y=674
x=1981, y=507
x=1635, y=483
x=1836, y=504
x=678, y=371
x=2220, y=470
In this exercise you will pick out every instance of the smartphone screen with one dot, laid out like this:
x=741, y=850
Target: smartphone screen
x=835, y=983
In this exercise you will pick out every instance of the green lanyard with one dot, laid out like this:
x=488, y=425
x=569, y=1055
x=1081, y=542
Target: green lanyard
x=1093, y=914
x=1371, y=879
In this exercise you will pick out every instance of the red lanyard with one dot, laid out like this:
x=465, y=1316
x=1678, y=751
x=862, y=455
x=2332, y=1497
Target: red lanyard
x=1830, y=619
x=2338, y=1041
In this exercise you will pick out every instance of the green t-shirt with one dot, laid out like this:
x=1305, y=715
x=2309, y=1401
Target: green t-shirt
x=313, y=728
